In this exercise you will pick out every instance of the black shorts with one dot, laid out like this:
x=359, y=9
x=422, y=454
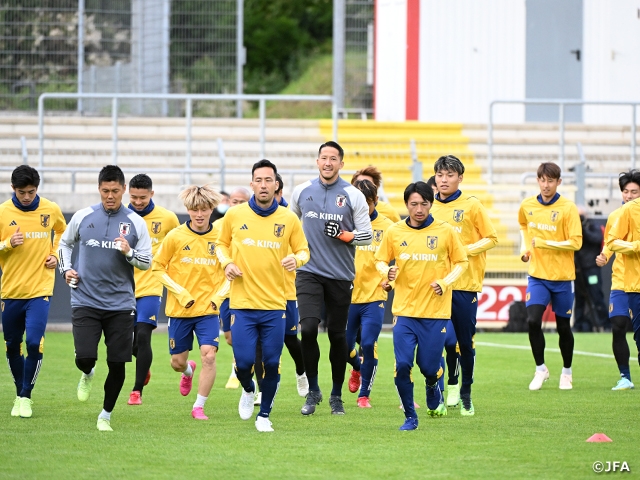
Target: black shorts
x=314, y=290
x=88, y=325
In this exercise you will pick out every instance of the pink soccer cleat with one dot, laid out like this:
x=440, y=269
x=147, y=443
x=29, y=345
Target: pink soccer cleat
x=187, y=382
x=198, y=414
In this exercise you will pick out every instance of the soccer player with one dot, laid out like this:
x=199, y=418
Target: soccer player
x=471, y=222
x=253, y=248
x=109, y=242
x=374, y=175
x=429, y=259
x=186, y=264
x=159, y=221
x=551, y=231
x=368, y=302
x=335, y=221
x=619, y=300
x=28, y=260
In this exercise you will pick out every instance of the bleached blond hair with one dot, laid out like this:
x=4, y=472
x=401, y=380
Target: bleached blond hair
x=200, y=198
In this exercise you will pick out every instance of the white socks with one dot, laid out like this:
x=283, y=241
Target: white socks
x=90, y=374
x=104, y=414
x=566, y=371
x=541, y=368
x=200, y=400
x=189, y=371
x=233, y=369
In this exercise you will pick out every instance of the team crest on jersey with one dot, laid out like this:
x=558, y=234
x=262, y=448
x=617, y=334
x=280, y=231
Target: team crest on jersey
x=211, y=248
x=341, y=200
x=432, y=242
x=124, y=228
x=278, y=229
x=45, y=220
x=554, y=215
x=377, y=235
x=156, y=227
x=458, y=215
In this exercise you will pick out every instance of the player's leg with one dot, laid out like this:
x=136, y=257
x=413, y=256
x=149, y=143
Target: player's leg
x=634, y=306
x=245, y=335
x=430, y=335
x=353, y=327
x=147, y=311
x=619, y=318
x=294, y=346
x=562, y=297
x=259, y=365
x=310, y=297
x=405, y=340
x=452, y=365
x=13, y=327
x=225, y=325
x=464, y=307
x=372, y=318
x=180, y=332
x=87, y=330
x=206, y=330
x=118, y=332
x=537, y=298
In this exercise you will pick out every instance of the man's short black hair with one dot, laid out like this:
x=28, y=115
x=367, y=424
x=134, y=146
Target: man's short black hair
x=425, y=191
x=449, y=163
x=625, y=178
x=264, y=163
x=142, y=181
x=333, y=145
x=24, y=176
x=111, y=173
x=432, y=182
x=369, y=190
x=280, y=183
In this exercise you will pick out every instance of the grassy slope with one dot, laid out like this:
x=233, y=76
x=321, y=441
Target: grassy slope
x=515, y=433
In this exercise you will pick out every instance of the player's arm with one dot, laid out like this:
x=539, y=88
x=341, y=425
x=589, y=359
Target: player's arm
x=159, y=267
x=294, y=206
x=67, y=241
x=139, y=257
x=383, y=257
x=619, y=232
x=606, y=254
x=363, y=233
x=459, y=262
x=484, y=226
x=59, y=226
x=574, y=231
x=298, y=244
x=525, y=240
x=223, y=248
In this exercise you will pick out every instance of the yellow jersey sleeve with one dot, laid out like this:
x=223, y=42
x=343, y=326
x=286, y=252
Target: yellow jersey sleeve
x=388, y=211
x=624, y=239
x=617, y=269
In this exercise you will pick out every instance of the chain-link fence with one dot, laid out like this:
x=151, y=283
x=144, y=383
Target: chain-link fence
x=117, y=46
x=359, y=54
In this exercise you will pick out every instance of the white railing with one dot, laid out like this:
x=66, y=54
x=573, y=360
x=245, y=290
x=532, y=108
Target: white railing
x=188, y=98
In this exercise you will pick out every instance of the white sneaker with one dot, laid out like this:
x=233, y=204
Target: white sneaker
x=263, y=424
x=566, y=382
x=245, y=407
x=303, y=384
x=538, y=379
x=258, y=399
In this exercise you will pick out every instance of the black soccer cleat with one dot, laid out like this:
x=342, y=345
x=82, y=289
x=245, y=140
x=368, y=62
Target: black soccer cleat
x=314, y=397
x=337, y=407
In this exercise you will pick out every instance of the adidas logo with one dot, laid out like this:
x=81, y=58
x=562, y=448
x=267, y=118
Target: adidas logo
x=284, y=315
x=13, y=223
x=91, y=226
x=403, y=244
x=294, y=328
x=474, y=300
x=530, y=213
x=444, y=330
x=569, y=312
x=152, y=317
x=309, y=199
x=381, y=305
x=186, y=248
x=244, y=227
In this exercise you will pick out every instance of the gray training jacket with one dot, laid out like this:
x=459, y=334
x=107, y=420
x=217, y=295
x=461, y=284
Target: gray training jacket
x=105, y=274
x=315, y=203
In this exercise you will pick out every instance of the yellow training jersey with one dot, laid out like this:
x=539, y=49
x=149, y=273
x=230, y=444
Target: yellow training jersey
x=159, y=222
x=366, y=285
x=223, y=285
x=624, y=238
x=617, y=270
x=186, y=263
x=257, y=245
x=23, y=272
x=423, y=256
x=388, y=211
x=471, y=222
x=557, y=231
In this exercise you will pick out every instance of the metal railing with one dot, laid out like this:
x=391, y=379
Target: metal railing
x=188, y=98
x=561, y=103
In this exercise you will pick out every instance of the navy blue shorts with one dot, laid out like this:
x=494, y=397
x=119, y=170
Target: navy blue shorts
x=148, y=309
x=427, y=334
x=619, y=304
x=25, y=316
x=559, y=293
x=293, y=318
x=225, y=316
x=181, y=332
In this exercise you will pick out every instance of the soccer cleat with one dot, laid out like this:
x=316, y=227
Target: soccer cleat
x=15, y=411
x=147, y=378
x=198, y=413
x=314, y=397
x=337, y=405
x=246, y=405
x=566, y=382
x=263, y=424
x=187, y=382
x=410, y=423
x=453, y=395
x=538, y=379
x=232, y=383
x=135, y=398
x=354, y=381
x=467, y=409
x=84, y=387
x=25, y=407
x=258, y=399
x=104, y=425
x=441, y=411
x=302, y=384
x=363, y=402
x=623, y=384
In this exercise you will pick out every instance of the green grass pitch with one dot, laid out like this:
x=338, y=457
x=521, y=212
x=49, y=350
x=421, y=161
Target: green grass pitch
x=514, y=434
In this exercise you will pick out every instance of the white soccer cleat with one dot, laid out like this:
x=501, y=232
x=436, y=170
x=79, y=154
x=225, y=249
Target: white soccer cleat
x=538, y=379
x=303, y=384
x=245, y=407
x=566, y=382
x=263, y=424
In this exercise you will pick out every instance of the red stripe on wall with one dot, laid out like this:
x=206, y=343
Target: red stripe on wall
x=413, y=58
